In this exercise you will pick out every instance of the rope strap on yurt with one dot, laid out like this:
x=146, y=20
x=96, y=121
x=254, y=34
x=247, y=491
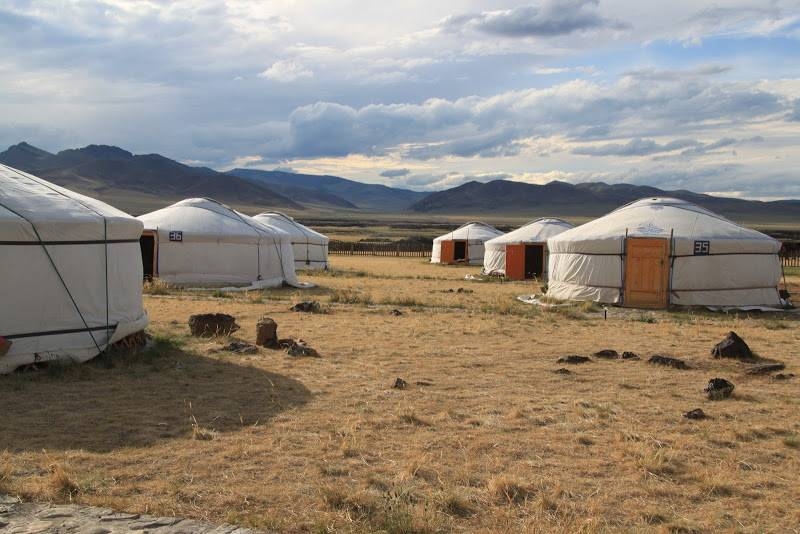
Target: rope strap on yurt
x=64, y=285
x=302, y=231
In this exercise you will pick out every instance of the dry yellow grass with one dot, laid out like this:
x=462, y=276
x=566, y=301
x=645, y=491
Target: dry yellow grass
x=486, y=438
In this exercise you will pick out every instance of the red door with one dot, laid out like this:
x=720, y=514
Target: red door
x=515, y=262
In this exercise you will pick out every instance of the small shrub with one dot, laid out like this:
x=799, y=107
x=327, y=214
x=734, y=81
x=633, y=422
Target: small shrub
x=505, y=490
x=456, y=505
x=157, y=286
x=351, y=296
x=792, y=442
x=61, y=484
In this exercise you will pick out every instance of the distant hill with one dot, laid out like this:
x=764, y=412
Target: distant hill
x=588, y=199
x=364, y=196
x=136, y=182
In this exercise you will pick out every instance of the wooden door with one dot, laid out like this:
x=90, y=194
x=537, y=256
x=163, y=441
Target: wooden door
x=447, y=252
x=646, y=272
x=515, y=262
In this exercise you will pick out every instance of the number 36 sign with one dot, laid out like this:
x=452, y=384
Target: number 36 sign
x=176, y=235
x=702, y=248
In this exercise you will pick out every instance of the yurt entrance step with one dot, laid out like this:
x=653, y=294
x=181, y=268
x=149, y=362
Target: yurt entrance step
x=646, y=272
x=454, y=251
x=524, y=261
x=148, y=243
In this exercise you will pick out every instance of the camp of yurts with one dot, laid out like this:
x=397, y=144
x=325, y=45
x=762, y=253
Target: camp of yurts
x=522, y=253
x=310, y=247
x=657, y=252
x=199, y=241
x=72, y=277
x=465, y=244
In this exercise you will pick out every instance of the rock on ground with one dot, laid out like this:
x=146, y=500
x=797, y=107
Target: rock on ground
x=212, y=324
x=718, y=389
x=668, y=361
x=573, y=359
x=29, y=518
x=732, y=347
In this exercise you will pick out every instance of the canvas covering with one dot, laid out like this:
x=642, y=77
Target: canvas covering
x=310, y=248
x=533, y=232
x=474, y=233
x=736, y=266
x=203, y=242
x=71, y=269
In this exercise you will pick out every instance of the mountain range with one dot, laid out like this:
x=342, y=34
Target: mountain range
x=586, y=199
x=141, y=183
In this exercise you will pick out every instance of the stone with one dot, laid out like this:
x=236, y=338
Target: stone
x=573, y=359
x=55, y=513
x=212, y=324
x=718, y=389
x=732, y=347
x=399, y=383
x=658, y=359
x=563, y=371
x=308, y=306
x=119, y=516
x=241, y=347
x=697, y=413
x=609, y=354
x=267, y=333
x=630, y=356
x=766, y=368
x=782, y=376
x=423, y=383
x=396, y=313
x=301, y=348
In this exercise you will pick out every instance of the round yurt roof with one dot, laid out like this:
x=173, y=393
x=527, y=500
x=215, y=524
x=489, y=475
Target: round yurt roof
x=536, y=231
x=472, y=231
x=289, y=225
x=662, y=217
x=58, y=214
x=199, y=218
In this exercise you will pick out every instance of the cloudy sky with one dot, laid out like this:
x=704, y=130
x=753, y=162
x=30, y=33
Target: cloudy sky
x=420, y=94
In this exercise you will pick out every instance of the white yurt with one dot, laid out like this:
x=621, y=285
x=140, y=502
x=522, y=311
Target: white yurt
x=464, y=244
x=310, y=248
x=522, y=253
x=71, y=281
x=204, y=242
x=660, y=251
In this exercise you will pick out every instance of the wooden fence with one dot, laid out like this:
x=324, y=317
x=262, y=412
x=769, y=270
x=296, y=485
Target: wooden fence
x=790, y=254
x=406, y=250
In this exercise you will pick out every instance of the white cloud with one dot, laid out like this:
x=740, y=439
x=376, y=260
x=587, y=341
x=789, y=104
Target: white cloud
x=286, y=70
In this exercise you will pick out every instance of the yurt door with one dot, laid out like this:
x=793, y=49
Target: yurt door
x=534, y=261
x=148, y=243
x=515, y=262
x=447, y=252
x=646, y=272
x=460, y=251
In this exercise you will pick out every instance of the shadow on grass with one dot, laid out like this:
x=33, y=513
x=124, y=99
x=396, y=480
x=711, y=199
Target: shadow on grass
x=134, y=400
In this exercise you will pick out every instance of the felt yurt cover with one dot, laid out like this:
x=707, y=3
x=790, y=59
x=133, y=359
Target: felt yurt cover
x=204, y=242
x=310, y=247
x=71, y=279
x=709, y=259
x=536, y=231
x=475, y=234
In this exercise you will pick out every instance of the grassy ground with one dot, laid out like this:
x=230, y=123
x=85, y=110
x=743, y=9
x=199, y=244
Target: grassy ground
x=486, y=438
